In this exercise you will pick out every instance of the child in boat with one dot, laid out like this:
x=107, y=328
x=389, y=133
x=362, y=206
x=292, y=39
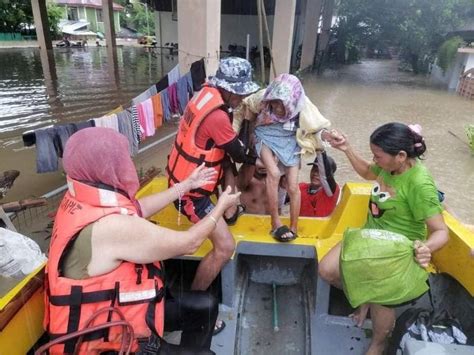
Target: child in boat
x=320, y=195
x=405, y=201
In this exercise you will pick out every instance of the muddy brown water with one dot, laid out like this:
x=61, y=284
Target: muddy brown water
x=356, y=99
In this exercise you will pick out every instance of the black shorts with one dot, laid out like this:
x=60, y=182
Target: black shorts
x=195, y=208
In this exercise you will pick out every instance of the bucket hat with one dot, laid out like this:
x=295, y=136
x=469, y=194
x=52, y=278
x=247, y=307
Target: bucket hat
x=234, y=75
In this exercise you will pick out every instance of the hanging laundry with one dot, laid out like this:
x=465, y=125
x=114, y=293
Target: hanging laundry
x=107, y=121
x=198, y=74
x=173, y=75
x=157, y=110
x=152, y=90
x=162, y=84
x=64, y=132
x=145, y=117
x=115, y=110
x=84, y=124
x=173, y=97
x=47, y=146
x=142, y=97
x=184, y=87
x=126, y=128
x=136, y=124
x=165, y=104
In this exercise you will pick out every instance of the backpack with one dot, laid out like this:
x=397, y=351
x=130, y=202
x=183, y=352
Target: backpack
x=422, y=324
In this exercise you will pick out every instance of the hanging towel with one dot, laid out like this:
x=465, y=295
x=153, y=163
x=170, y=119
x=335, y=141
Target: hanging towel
x=47, y=143
x=149, y=121
x=125, y=127
x=198, y=74
x=152, y=90
x=184, y=88
x=157, y=110
x=136, y=124
x=64, y=132
x=142, y=97
x=142, y=120
x=173, y=97
x=162, y=84
x=107, y=121
x=173, y=75
x=165, y=104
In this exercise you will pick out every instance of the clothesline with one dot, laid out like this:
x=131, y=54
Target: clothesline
x=140, y=120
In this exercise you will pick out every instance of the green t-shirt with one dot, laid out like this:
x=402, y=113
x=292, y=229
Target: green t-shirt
x=402, y=203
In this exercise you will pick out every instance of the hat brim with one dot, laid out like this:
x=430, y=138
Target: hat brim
x=246, y=88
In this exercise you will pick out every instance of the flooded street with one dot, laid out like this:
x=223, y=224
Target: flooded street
x=356, y=99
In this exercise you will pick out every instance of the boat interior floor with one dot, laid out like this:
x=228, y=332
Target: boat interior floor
x=274, y=302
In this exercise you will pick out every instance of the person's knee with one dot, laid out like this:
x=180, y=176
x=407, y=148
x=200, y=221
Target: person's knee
x=293, y=189
x=273, y=174
x=327, y=272
x=224, y=248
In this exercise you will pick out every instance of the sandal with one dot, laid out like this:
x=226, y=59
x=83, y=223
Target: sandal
x=279, y=232
x=218, y=327
x=238, y=212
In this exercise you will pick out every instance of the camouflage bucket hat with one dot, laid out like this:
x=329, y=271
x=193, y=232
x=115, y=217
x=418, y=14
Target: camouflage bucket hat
x=234, y=75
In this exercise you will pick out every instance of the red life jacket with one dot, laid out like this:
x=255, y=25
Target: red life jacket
x=136, y=290
x=185, y=155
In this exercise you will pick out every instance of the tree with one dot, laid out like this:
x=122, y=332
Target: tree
x=417, y=27
x=55, y=15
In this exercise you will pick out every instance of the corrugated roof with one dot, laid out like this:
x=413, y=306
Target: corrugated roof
x=97, y=4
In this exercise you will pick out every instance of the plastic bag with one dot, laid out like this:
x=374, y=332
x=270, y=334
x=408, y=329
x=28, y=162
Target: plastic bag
x=19, y=255
x=421, y=324
x=378, y=266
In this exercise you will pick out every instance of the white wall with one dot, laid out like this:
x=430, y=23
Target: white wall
x=450, y=78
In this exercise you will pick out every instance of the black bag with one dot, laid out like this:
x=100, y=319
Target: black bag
x=422, y=324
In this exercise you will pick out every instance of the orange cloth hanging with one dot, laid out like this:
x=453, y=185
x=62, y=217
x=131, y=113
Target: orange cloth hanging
x=157, y=110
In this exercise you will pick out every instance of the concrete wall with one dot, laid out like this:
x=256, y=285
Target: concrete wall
x=234, y=29
x=450, y=78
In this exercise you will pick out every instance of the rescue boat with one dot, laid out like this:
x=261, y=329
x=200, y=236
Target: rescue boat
x=272, y=299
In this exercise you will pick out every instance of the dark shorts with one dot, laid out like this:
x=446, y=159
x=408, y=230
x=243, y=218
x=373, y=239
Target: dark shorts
x=195, y=208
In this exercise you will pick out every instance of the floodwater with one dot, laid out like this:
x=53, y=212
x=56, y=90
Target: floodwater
x=356, y=99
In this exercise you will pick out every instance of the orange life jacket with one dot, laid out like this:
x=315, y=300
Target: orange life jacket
x=185, y=155
x=136, y=290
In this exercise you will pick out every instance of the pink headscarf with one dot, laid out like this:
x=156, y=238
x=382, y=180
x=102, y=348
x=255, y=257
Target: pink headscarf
x=101, y=155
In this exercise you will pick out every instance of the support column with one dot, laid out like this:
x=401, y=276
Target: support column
x=40, y=17
x=282, y=39
x=327, y=22
x=311, y=24
x=199, y=33
x=48, y=65
x=158, y=24
x=108, y=17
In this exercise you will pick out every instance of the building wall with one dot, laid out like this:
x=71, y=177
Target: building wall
x=234, y=29
x=90, y=15
x=92, y=19
x=450, y=78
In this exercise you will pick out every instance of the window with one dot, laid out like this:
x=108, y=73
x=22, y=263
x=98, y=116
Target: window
x=72, y=14
x=99, y=15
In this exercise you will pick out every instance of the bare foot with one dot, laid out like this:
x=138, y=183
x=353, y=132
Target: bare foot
x=360, y=314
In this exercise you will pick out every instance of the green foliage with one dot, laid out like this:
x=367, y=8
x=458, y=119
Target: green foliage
x=141, y=18
x=417, y=27
x=447, y=52
x=16, y=15
x=470, y=136
x=55, y=15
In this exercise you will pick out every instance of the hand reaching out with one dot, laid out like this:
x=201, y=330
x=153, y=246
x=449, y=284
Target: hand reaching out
x=228, y=199
x=201, y=176
x=337, y=139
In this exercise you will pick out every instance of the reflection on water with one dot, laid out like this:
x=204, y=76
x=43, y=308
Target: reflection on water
x=359, y=98
x=84, y=85
x=356, y=99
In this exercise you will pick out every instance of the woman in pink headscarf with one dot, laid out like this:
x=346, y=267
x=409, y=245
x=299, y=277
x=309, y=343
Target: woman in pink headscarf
x=104, y=227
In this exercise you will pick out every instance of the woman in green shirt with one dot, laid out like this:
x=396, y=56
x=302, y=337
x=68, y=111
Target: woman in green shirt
x=404, y=200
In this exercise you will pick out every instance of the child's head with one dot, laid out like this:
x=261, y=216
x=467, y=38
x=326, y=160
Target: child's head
x=284, y=97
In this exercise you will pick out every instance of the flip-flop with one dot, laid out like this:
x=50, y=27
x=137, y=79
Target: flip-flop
x=218, y=328
x=279, y=232
x=233, y=219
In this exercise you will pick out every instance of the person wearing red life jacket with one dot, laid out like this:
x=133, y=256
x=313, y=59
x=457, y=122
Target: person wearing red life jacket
x=104, y=254
x=205, y=135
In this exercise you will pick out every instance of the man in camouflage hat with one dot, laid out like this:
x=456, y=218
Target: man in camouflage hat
x=205, y=136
